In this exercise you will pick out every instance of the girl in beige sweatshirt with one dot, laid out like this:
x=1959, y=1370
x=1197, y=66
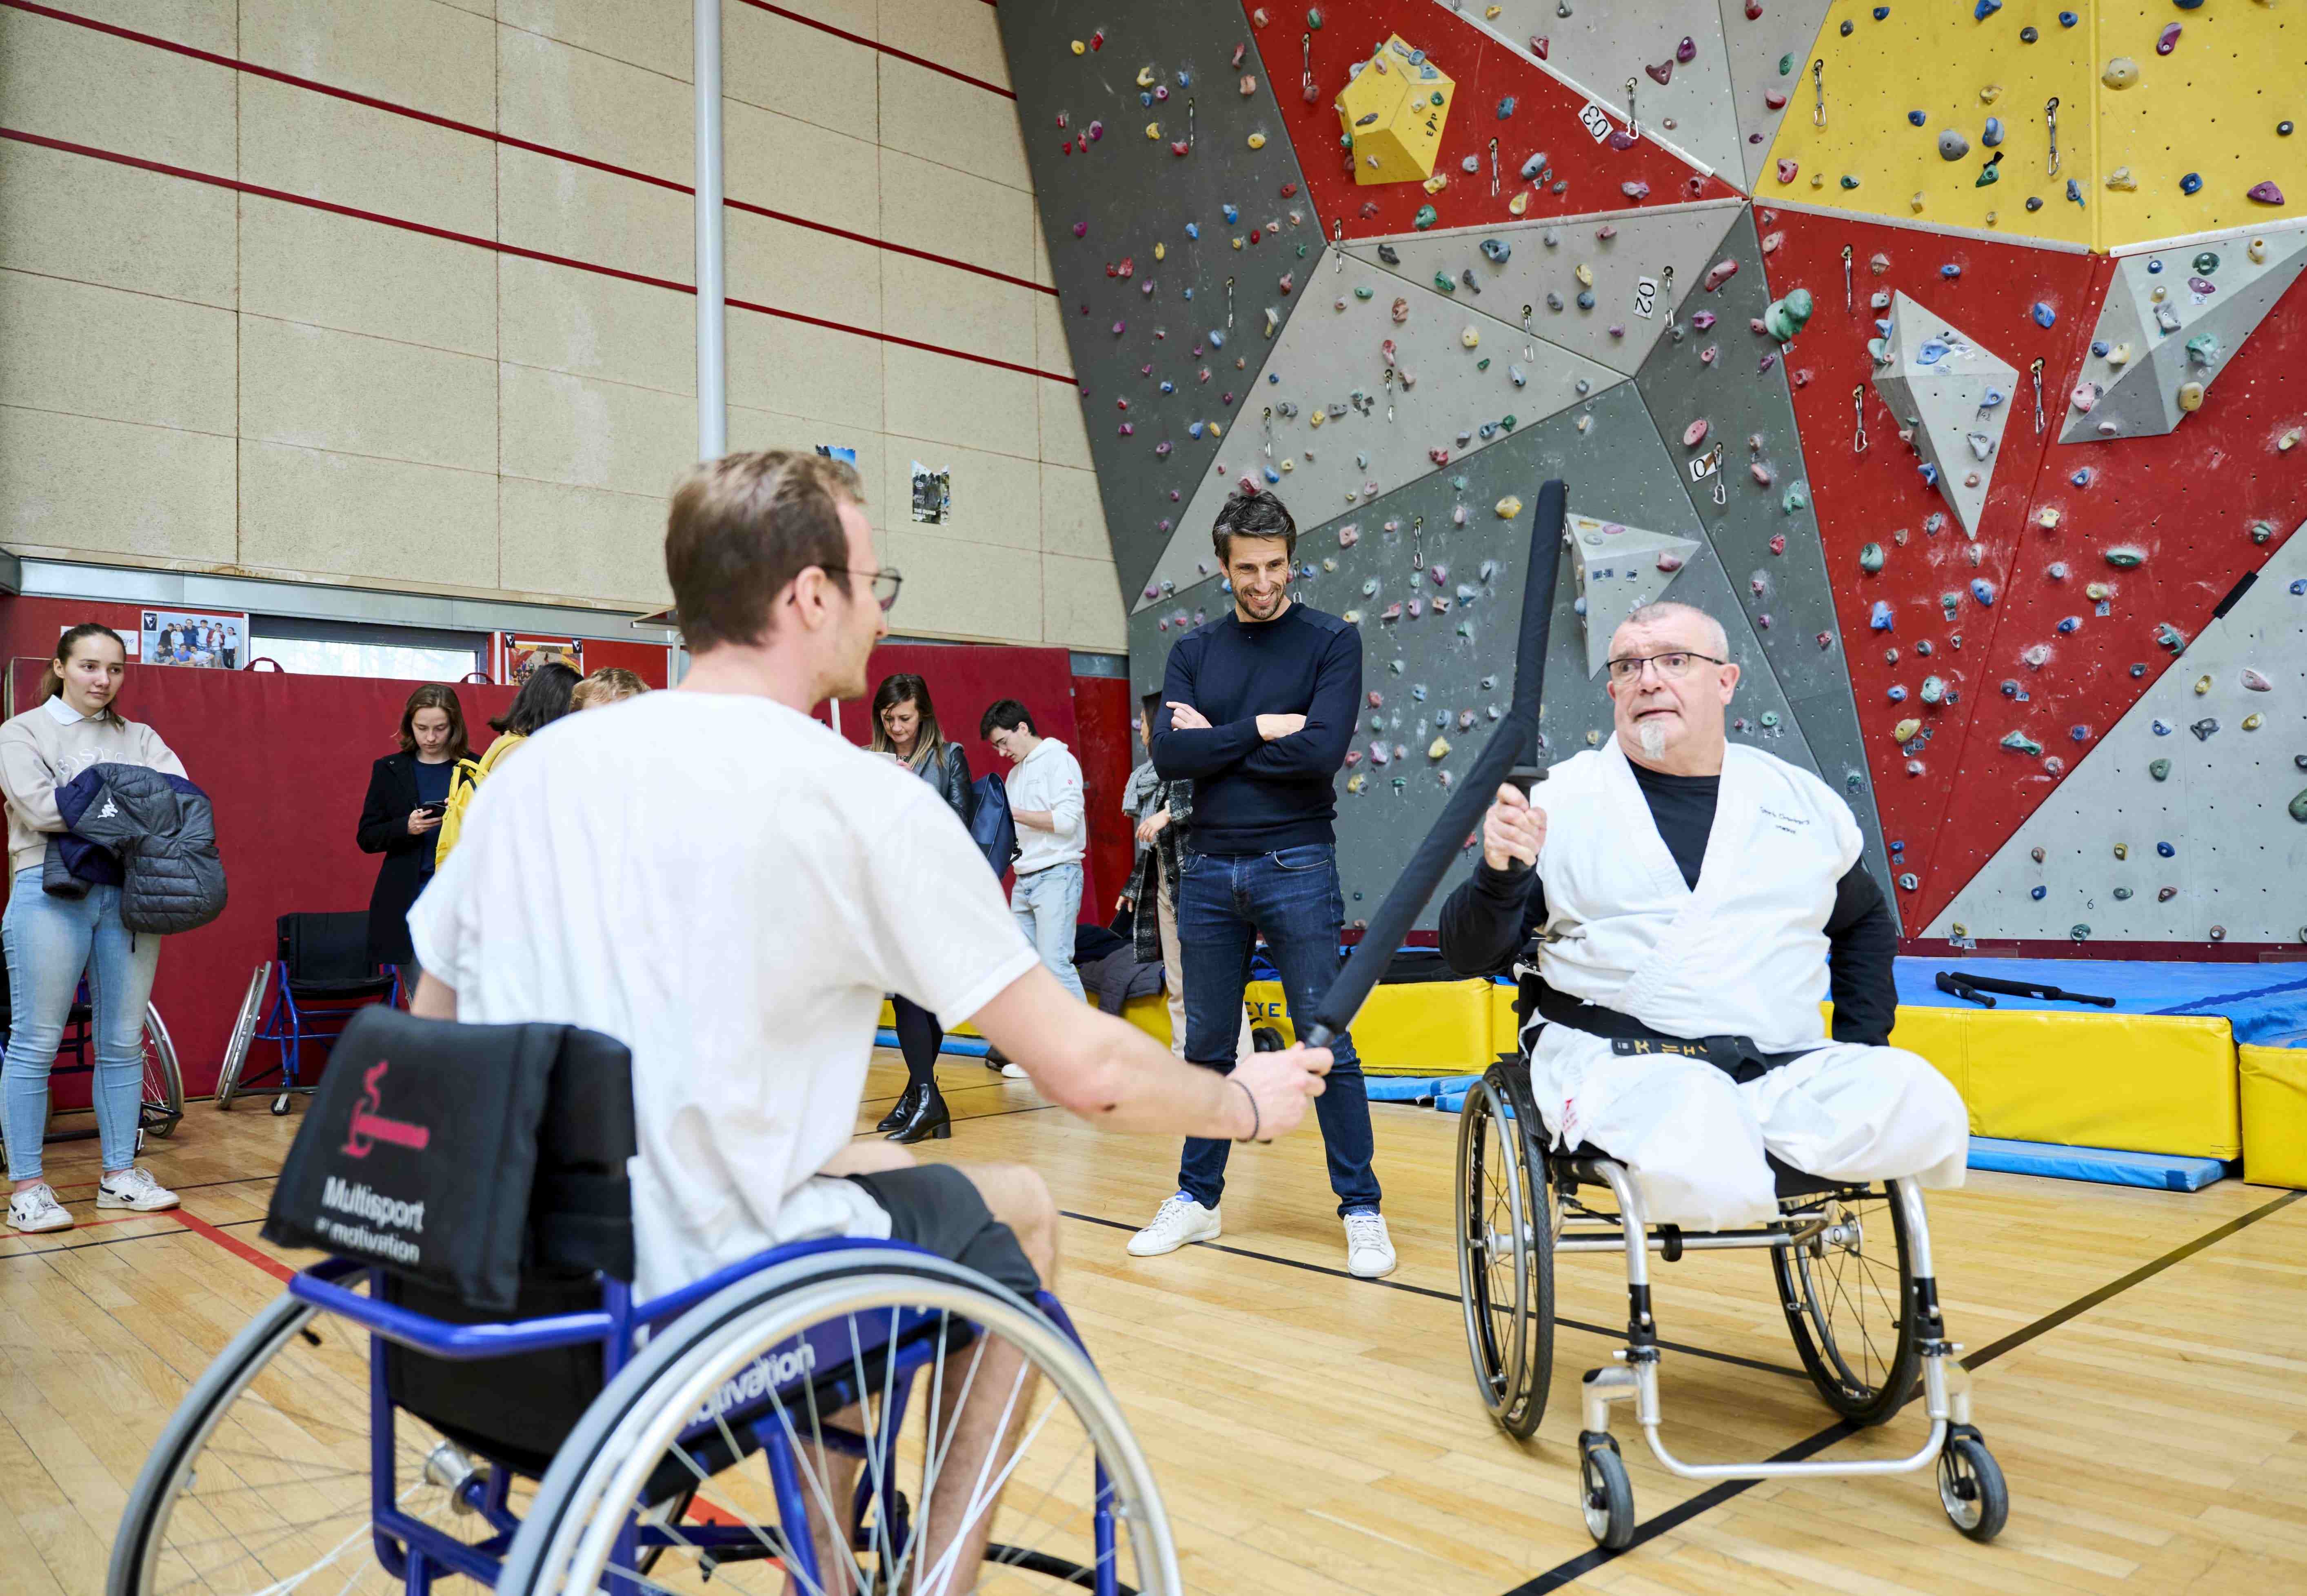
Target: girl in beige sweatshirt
x=51, y=942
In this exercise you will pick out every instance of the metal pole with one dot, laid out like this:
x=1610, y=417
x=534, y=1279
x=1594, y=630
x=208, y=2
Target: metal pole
x=712, y=354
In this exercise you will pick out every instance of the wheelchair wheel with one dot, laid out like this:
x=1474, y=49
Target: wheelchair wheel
x=163, y=1107
x=261, y=1480
x=1971, y=1485
x=768, y=1356
x=1506, y=1249
x=1845, y=1294
x=243, y=1032
x=1606, y=1496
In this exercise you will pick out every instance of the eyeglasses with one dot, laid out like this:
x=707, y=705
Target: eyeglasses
x=1674, y=666
x=885, y=584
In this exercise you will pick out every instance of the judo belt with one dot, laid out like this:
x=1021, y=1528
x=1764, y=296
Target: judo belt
x=1736, y=1057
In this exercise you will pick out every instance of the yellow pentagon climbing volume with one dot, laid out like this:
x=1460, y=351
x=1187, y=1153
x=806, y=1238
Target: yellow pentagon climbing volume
x=1393, y=111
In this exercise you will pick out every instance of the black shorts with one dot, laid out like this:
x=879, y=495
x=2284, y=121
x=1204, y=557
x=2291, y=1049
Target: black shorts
x=934, y=1206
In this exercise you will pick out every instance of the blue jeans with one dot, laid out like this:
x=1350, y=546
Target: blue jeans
x=1292, y=897
x=1048, y=905
x=51, y=942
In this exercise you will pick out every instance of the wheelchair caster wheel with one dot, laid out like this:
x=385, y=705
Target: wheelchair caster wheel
x=1609, y=1498
x=1970, y=1486
x=280, y=1106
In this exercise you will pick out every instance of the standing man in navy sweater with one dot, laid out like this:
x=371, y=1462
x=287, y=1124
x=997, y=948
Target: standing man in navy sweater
x=1258, y=707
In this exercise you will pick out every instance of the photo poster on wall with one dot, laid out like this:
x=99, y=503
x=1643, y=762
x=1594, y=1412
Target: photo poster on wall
x=204, y=639
x=838, y=451
x=932, y=494
x=520, y=657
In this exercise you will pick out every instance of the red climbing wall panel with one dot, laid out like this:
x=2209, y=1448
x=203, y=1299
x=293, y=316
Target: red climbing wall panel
x=1486, y=71
x=1880, y=496
x=2188, y=499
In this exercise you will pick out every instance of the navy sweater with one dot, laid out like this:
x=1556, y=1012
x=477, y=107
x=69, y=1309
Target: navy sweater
x=1252, y=796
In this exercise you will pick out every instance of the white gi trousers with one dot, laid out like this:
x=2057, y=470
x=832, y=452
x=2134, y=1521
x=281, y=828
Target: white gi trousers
x=1694, y=1140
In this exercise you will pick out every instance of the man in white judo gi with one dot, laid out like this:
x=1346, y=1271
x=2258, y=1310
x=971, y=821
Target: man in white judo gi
x=1691, y=902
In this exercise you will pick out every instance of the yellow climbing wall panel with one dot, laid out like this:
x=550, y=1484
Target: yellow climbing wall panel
x=2211, y=108
x=1394, y=111
x=1935, y=58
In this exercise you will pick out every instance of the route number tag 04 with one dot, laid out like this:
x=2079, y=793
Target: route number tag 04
x=1646, y=296
x=1596, y=120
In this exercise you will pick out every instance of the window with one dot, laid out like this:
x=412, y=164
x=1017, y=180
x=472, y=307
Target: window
x=351, y=649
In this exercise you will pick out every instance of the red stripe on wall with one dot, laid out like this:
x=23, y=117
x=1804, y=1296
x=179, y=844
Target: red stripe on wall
x=509, y=141
x=874, y=43
x=286, y=198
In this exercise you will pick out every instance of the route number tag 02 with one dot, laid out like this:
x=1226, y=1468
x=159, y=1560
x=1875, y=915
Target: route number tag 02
x=1596, y=120
x=1646, y=296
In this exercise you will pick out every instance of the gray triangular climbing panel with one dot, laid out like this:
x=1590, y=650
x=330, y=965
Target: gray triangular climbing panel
x=2201, y=787
x=2172, y=321
x=1137, y=293
x=1672, y=49
x=1639, y=270
x=1954, y=393
x=1617, y=569
x=1353, y=403
x=1765, y=529
x=1769, y=47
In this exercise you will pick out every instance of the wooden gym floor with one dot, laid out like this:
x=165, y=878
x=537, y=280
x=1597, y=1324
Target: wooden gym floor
x=2141, y=1363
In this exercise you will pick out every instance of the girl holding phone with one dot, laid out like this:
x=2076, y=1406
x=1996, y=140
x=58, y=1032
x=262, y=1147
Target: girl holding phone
x=407, y=793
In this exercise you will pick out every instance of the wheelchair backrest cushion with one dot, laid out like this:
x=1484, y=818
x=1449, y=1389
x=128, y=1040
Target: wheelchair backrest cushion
x=424, y=1151
x=324, y=947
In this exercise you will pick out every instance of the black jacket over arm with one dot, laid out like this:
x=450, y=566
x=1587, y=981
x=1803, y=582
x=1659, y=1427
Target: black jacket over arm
x=384, y=829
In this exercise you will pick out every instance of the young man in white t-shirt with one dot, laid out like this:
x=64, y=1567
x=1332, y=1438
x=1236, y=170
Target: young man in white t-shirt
x=719, y=881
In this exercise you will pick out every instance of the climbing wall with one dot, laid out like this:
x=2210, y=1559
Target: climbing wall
x=1163, y=307
x=1972, y=416
x=2182, y=823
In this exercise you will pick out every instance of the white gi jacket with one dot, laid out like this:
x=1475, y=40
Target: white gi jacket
x=1743, y=954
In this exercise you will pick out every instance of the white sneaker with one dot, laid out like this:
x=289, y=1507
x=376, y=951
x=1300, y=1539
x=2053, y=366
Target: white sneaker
x=1013, y=1072
x=1369, y=1251
x=134, y=1190
x=1179, y=1221
x=35, y=1209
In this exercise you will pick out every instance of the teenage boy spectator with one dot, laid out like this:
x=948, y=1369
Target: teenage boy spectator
x=1258, y=709
x=1045, y=802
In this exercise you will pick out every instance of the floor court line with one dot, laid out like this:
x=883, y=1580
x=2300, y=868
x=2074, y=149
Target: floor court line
x=1682, y=1513
x=1451, y=1297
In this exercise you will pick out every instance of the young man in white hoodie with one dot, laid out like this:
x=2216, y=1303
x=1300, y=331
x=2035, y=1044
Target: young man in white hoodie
x=1045, y=801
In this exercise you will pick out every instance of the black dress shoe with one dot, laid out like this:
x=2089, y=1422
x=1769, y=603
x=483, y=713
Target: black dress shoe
x=995, y=1058
x=930, y=1119
x=908, y=1101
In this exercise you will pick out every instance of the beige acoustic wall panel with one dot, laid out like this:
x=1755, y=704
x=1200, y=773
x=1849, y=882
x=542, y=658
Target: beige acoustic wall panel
x=450, y=346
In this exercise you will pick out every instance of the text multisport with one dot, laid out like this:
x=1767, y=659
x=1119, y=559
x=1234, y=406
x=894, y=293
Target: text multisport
x=374, y=1208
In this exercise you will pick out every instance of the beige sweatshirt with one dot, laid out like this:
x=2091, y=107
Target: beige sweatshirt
x=44, y=749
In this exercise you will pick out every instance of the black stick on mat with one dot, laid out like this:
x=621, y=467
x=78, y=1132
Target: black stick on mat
x=1514, y=740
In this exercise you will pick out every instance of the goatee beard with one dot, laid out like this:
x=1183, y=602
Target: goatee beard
x=1652, y=736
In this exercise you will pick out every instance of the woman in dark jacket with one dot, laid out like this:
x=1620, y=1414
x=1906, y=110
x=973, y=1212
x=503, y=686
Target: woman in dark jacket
x=905, y=728
x=407, y=791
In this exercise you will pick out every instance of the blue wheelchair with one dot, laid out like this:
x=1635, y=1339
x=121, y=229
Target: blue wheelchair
x=765, y=1428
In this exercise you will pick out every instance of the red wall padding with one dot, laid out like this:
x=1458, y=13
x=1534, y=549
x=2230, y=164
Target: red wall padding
x=965, y=679
x=649, y=661
x=1108, y=749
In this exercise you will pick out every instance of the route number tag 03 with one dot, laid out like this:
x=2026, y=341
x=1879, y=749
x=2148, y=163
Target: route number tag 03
x=1596, y=120
x=1646, y=296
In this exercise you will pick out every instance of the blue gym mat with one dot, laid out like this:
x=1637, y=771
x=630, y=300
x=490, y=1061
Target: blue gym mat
x=2160, y=1171
x=2266, y=1004
x=967, y=1047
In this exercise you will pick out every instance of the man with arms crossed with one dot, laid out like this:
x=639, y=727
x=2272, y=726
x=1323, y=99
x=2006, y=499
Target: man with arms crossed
x=1689, y=889
x=1258, y=707
x=721, y=883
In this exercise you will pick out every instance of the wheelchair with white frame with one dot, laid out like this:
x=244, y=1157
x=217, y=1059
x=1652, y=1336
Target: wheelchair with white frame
x=1851, y=1263
x=368, y=1432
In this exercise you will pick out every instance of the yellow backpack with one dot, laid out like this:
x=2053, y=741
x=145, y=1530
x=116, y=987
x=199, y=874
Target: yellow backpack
x=462, y=784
